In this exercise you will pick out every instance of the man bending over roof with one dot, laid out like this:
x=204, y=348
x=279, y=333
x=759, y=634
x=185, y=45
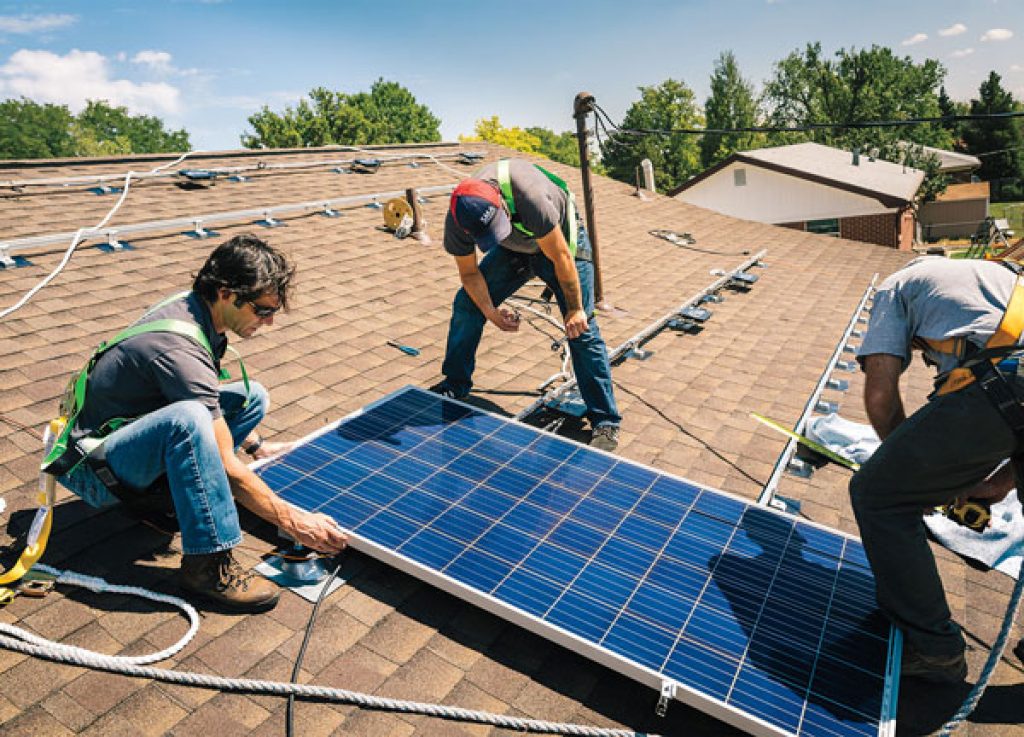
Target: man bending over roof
x=178, y=451
x=946, y=450
x=524, y=221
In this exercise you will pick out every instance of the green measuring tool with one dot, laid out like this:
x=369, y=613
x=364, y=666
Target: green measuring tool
x=807, y=442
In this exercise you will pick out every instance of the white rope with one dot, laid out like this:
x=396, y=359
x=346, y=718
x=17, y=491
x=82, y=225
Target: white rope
x=84, y=658
x=82, y=232
x=99, y=586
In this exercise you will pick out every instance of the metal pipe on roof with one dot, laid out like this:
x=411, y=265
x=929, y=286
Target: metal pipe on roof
x=647, y=332
x=768, y=493
x=21, y=244
x=583, y=105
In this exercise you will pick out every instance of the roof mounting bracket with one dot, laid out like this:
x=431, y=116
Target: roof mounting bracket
x=340, y=170
x=414, y=165
x=849, y=366
x=375, y=205
x=105, y=189
x=198, y=232
x=760, y=264
x=856, y=333
x=329, y=212
x=197, y=175
x=683, y=326
x=862, y=319
x=113, y=245
x=7, y=261
x=238, y=178
x=849, y=348
x=826, y=407
x=470, y=157
x=668, y=692
x=713, y=298
x=799, y=468
x=839, y=385
x=269, y=221
x=697, y=314
x=365, y=166
x=638, y=353
x=568, y=403
x=785, y=504
x=743, y=278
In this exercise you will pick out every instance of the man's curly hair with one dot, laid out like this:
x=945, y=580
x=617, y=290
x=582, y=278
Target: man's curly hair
x=247, y=266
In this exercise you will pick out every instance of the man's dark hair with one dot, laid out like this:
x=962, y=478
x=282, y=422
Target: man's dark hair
x=249, y=267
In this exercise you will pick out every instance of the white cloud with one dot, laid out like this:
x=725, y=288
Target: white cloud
x=997, y=34
x=121, y=57
x=1016, y=68
x=158, y=61
x=77, y=77
x=961, y=53
x=915, y=39
x=954, y=30
x=35, y=23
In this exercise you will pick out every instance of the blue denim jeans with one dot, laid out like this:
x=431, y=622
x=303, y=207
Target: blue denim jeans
x=178, y=440
x=505, y=272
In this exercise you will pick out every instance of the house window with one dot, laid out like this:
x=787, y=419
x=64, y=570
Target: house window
x=739, y=177
x=824, y=227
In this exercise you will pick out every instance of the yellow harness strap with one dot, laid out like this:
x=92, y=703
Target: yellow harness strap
x=1007, y=334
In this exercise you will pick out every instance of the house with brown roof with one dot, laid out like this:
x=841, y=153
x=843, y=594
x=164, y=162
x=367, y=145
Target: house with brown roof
x=813, y=188
x=764, y=347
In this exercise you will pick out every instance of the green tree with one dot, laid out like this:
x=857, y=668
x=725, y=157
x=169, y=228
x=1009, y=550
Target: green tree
x=857, y=86
x=561, y=147
x=676, y=157
x=388, y=113
x=731, y=104
x=29, y=130
x=101, y=129
x=491, y=130
x=997, y=142
x=32, y=130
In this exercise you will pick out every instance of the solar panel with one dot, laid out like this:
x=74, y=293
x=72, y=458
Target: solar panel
x=760, y=619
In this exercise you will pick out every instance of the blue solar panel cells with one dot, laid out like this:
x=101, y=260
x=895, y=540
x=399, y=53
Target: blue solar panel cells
x=769, y=615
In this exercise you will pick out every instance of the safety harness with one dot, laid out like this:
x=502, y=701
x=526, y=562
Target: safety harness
x=63, y=454
x=505, y=185
x=988, y=366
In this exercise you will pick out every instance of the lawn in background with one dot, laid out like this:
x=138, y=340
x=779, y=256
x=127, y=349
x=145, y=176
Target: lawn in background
x=1012, y=211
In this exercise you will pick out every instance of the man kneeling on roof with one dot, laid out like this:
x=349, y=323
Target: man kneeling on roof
x=174, y=461
x=966, y=316
x=523, y=218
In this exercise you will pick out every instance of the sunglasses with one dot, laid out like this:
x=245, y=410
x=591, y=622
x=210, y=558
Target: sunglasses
x=263, y=311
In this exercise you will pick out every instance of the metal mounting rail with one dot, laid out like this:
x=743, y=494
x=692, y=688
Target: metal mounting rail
x=199, y=222
x=768, y=493
x=649, y=331
x=217, y=170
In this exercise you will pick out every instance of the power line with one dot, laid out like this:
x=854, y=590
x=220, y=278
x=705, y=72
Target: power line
x=855, y=125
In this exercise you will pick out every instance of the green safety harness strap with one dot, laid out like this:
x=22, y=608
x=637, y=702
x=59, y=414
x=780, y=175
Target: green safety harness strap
x=75, y=399
x=505, y=184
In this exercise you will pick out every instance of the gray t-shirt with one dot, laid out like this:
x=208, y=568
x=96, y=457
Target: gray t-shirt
x=935, y=297
x=540, y=207
x=151, y=370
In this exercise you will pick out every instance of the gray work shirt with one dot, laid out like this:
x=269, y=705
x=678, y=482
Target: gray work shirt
x=540, y=207
x=152, y=370
x=935, y=297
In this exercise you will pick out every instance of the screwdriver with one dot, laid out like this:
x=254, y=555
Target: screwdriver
x=406, y=349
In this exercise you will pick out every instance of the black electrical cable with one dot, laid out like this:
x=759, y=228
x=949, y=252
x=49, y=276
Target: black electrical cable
x=290, y=707
x=857, y=125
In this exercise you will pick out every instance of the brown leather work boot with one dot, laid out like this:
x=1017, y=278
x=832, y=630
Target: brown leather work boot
x=219, y=578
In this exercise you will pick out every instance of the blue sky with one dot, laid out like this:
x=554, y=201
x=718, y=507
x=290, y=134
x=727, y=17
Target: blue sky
x=208, y=64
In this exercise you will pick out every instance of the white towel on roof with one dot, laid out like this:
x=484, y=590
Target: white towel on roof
x=1000, y=546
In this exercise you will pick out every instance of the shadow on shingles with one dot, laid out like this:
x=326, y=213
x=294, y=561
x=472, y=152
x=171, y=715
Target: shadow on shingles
x=925, y=707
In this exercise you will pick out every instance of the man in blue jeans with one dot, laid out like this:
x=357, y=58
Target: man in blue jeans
x=179, y=451
x=524, y=221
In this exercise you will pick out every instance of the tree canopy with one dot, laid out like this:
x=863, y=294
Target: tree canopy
x=731, y=104
x=998, y=141
x=676, y=158
x=32, y=130
x=388, y=113
x=560, y=147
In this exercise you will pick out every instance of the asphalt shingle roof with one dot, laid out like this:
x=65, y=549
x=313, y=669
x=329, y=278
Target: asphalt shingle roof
x=685, y=409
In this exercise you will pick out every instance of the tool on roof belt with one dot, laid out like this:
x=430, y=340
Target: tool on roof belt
x=398, y=216
x=817, y=448
x=974, y=514
x=673, y=236
x=406, y=349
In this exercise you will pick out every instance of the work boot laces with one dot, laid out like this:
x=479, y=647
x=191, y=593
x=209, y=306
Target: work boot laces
x=231, y=575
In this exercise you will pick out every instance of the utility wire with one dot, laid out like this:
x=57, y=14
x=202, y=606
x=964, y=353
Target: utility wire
x=853, y=125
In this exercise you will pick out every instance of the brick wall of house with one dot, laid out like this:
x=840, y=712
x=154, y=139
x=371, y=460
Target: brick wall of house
x=882, y=229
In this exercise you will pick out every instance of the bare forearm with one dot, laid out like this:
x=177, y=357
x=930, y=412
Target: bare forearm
x=476, y=287
x=882, y=400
